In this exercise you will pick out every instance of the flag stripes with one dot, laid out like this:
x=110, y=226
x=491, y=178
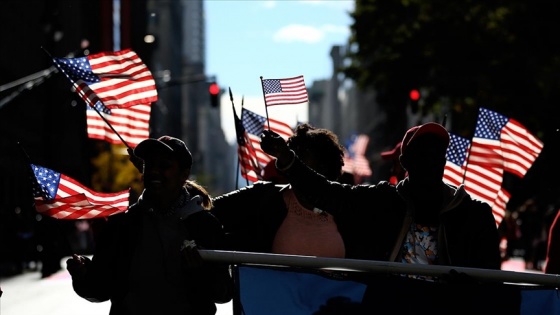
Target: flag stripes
x=285, y=91
x=252, y=158
x=62, y=197
x=355, y=161
x=520, y=148
x=117, y=79
x=499, y=145
x=131, y=123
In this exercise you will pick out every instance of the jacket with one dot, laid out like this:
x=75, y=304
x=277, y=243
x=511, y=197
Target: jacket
x=376, y=218
x=251, y=216
x=108, y=273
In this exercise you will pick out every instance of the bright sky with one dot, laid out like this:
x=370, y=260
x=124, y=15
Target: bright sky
x=273, y=39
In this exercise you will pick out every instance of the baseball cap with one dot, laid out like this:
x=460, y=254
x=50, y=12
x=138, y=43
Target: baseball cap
x=427, y=128
x=164, y=144
x=392, y=154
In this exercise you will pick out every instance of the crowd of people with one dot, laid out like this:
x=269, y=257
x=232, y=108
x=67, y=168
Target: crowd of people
x=147, y=259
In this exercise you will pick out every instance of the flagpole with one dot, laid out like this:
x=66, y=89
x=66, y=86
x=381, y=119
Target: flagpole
x=469, y=153
x=88, y=101
x=265, y=106
x=243, y=103
x=236, y=135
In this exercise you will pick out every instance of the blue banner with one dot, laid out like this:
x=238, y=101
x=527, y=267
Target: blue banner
x=294, y=291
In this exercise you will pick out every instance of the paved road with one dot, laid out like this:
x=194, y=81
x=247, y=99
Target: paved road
x=28, y=294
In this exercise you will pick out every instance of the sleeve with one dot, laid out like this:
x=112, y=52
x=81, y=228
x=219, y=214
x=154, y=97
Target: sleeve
x=97, y=283
x=333, y=197
x=213, y=278
x=488, y=243
x=246, y=214
x=233, y=210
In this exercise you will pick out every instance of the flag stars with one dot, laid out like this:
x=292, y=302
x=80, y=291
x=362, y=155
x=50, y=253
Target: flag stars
x=77, y=69
x=272, y=86
x=47, y=180
x=457, y=151
x=489, y=125
x=253, y=123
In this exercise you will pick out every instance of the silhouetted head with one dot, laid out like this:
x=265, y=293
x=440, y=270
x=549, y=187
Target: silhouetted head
x=165, y=146
x=319, y=149
x=423, y=151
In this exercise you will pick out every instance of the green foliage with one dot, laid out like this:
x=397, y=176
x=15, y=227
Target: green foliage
x=502, y=55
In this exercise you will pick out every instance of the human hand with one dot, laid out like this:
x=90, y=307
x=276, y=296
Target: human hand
x=191, y=256
x=273, y=144
x=77, y=265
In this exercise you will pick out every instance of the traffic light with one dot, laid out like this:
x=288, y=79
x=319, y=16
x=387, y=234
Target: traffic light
x=214, y=91
x=414, y=98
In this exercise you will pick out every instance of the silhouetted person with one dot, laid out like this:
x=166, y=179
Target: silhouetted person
x=146, y=261
x=421, y=220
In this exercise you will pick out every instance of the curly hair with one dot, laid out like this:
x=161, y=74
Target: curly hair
x=319, y=148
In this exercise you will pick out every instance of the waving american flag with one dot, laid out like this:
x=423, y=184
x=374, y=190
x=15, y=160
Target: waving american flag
x=284, y=91
x=117, y=79
x=62, y=197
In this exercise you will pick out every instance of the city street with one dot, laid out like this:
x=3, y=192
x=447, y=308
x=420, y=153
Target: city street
x=28, y=294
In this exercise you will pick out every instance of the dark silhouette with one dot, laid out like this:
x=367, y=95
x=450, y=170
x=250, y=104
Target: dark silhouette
x=146, y=261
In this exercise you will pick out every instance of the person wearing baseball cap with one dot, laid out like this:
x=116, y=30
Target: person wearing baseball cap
x=420, y=220
x=147, y=260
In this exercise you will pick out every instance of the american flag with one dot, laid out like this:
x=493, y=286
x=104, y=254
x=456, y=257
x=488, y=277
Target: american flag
x=254, y=124
x=249, y=166
x=503, y=142
x=62, y=197
x=482, y=182
x=284, y=91
x=456, y=157
x=355, y=161
x=499, y=207
x=116, y=79
x=132, y=124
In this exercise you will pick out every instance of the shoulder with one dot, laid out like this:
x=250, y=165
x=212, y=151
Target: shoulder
x=255, y=189
x=385, y=185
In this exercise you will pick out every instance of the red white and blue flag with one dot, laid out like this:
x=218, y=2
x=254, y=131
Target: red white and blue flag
x=254, y=124
x=248, y=164
x=131, y=123
x=284, y=91
x=503, y=142
x=62, y=197
x=117, y=79
x=456, y=158
x=355, y=161
x=482, y=182
x=499, y=145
